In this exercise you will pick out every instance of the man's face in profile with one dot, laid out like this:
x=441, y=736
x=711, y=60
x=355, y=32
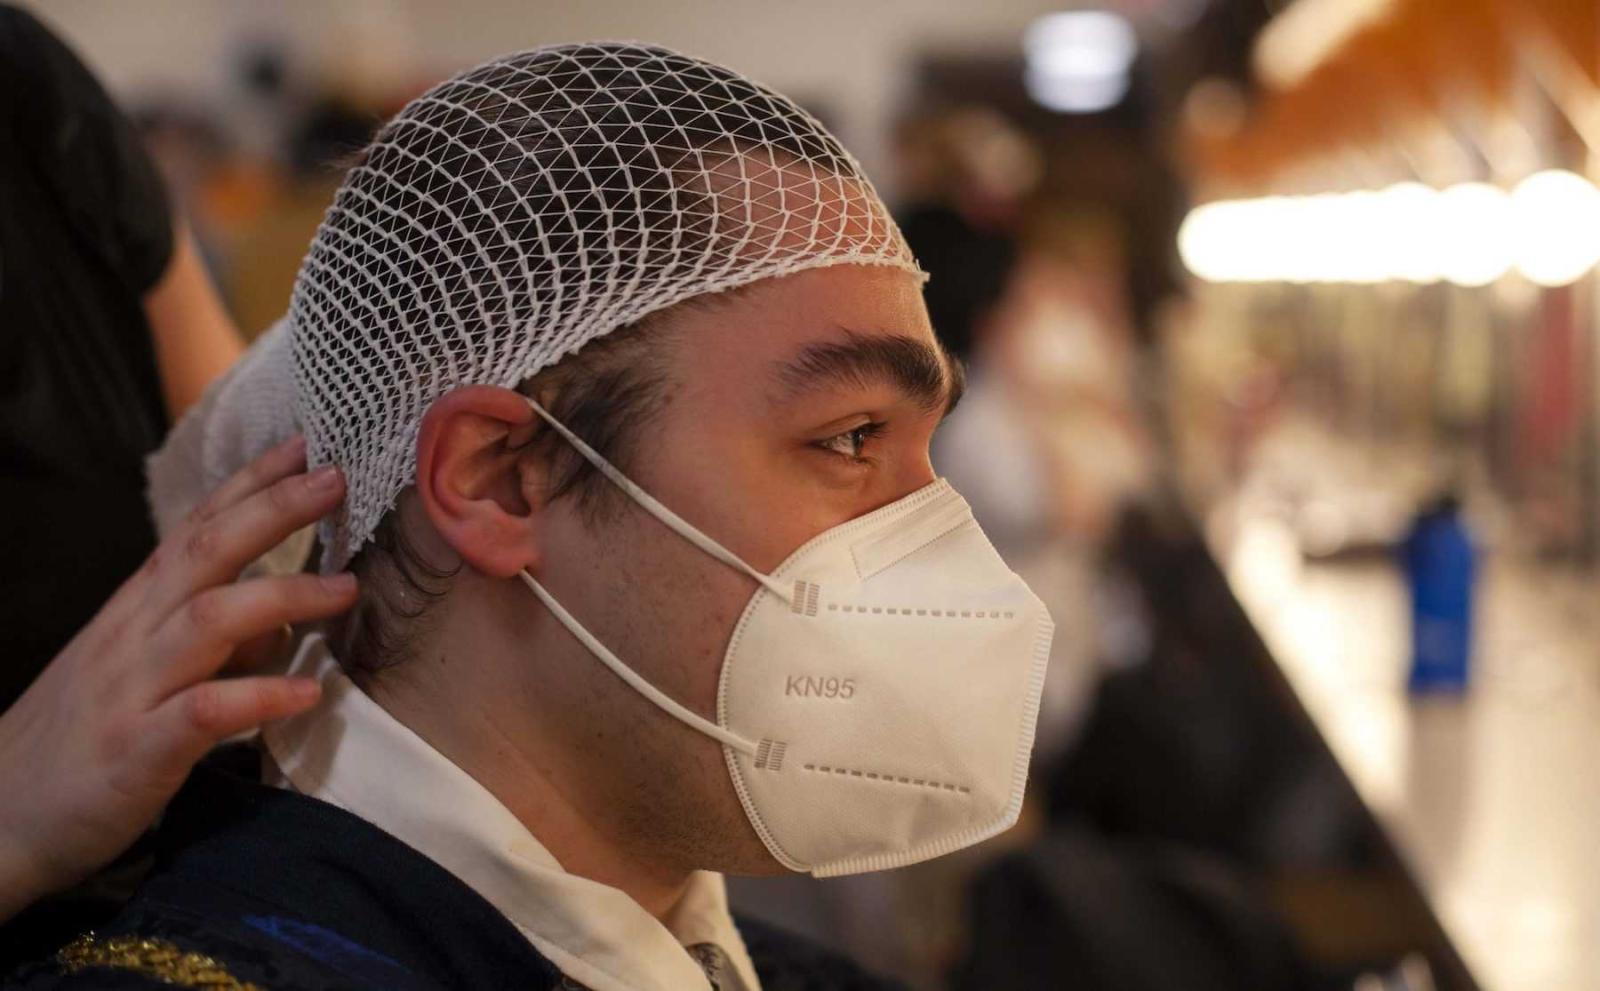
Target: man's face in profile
x=791, y=407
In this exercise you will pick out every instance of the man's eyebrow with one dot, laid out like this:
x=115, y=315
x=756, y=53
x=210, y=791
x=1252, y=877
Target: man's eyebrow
x=925, y=372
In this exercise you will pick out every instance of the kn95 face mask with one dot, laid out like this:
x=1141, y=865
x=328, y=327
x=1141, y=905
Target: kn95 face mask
x=878, y=695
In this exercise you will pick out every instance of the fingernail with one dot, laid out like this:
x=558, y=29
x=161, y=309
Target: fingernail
x=305, y=689
x=341, y=584
x=323, y=479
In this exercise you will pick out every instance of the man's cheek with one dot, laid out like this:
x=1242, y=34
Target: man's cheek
x=714, y=633
x=694, y=603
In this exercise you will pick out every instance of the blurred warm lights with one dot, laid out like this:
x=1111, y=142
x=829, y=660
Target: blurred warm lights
x=1307, y=32
x=1473, y=244
x=1078, y=61
x=1556, y=228
x=1471, y=234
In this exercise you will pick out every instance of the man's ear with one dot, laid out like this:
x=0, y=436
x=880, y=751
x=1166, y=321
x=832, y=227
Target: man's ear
x=472, y=477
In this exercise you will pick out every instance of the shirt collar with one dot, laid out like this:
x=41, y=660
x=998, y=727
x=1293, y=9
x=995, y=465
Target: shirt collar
x=350, y=752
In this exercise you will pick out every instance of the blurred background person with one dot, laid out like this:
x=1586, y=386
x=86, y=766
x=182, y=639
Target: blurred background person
x=109, y=329
x=963, y=173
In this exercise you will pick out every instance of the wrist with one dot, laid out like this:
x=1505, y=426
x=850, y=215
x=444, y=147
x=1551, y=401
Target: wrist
x=22, y=877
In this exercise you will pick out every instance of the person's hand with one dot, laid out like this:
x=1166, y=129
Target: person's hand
x=97, y=745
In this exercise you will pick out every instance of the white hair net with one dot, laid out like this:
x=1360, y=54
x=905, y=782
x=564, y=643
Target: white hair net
x=509, y=216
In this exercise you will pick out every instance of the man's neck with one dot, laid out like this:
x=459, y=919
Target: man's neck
x=529, y=781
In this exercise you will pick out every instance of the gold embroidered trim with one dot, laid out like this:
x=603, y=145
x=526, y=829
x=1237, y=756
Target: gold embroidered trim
x=155, y=958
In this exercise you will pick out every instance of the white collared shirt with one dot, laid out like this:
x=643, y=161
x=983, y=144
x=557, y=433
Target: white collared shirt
x=350, y=752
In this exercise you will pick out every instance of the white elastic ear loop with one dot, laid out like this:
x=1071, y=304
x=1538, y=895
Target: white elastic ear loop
x=632, y=677
x=654, y=507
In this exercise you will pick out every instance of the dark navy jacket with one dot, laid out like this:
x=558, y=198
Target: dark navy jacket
x=260, y=887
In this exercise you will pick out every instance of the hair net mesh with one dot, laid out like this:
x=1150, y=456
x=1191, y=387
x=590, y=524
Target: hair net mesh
x=517, y=211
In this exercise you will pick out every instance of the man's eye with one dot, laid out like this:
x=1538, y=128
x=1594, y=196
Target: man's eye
x=852, y=443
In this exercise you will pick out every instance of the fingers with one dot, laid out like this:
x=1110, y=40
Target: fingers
x=214, y=550
x=199, y=637
x=259, y=652
x=133, y=595
x=288, y=458
x=180, y=731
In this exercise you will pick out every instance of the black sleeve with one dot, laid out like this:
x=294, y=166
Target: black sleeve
x=786, y=962
x=52, y=973
x=83, y=149
x=49, y=977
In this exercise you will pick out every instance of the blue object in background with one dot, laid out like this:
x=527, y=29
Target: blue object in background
x=1441, y=569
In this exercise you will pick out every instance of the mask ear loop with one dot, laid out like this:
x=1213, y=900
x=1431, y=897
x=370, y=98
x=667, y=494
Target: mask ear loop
x=667, y=703
x=655, y=508
x=685, y=529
